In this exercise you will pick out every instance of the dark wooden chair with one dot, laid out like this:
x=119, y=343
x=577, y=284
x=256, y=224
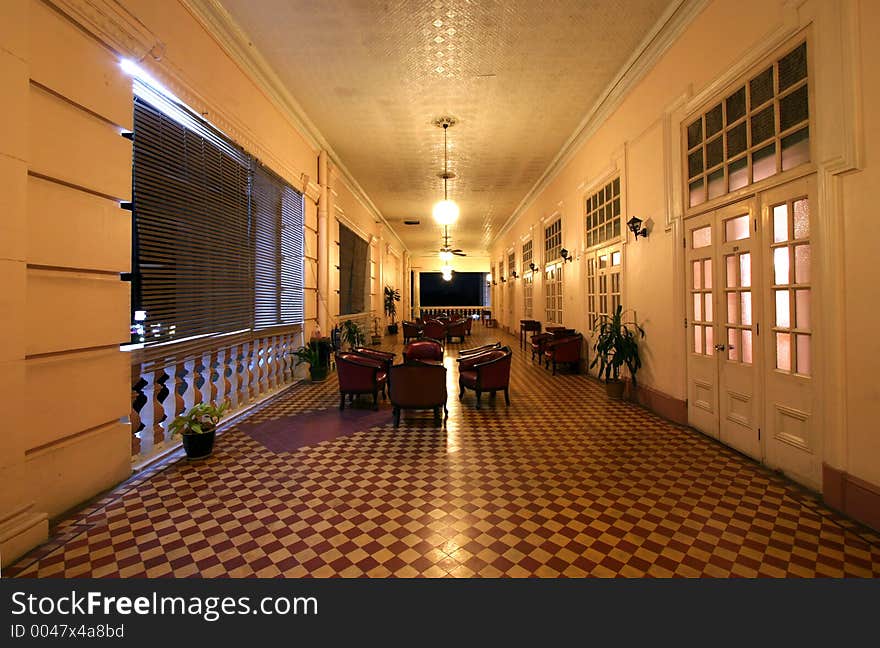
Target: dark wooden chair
x=486, y=372
x=418, y=385
x=564, y=350
x=360, y=375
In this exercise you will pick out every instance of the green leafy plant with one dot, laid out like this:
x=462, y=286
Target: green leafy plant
x=392, y=295
x=200, y=419
x=353, y=334
x=310, y=353
x=616, y=346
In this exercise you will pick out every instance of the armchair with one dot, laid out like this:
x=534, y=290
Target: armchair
x=468, y=322
x=434, y=329
x=385, y=357
x=411, y=331
x=418, y=385
x=565, y=349
x=457, y=329
x=360, y=375
x=425, y=349
x=486, y=372
x=537, y=342
x=463, y=353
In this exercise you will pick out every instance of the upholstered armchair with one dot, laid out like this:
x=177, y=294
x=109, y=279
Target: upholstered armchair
x=463, y=353
x=468, y=323
x=434, y=329
x=456, y=329
x=563, y=350
x=411, y=331
x=486, y=372
x=537, y=342
x=418, y=385
x=360, y=375
x=385, y=357
x=425, y=350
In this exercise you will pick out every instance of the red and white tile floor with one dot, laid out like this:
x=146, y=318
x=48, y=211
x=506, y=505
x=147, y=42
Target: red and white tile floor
x=561, y=483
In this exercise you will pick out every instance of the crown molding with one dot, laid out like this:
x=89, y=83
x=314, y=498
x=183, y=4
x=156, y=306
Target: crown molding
x=663, y=34
x=215, y=20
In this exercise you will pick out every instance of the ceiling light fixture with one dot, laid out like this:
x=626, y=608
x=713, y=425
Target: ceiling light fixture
x=445, y=211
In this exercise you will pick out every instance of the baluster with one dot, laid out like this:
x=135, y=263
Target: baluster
x=249, y=372
x=180, y=387
x=138, y=400
x=198, y=378
x=213, y=377
x=239, y=375
x=160, y=393
x=272, y=365
x=228, y=372
x=262, y=369
x=286, y=369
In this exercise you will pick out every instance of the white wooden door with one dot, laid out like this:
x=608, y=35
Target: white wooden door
x=793, y=441
x=701, y=237
x=721, y=250
x=737, y=328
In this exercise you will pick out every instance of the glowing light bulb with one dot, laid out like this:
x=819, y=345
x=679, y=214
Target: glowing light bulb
x=446, y=256
x=446, y=212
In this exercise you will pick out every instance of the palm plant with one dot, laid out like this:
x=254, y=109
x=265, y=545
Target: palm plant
x=616, y=346
x=353, y=334
x=392, y=295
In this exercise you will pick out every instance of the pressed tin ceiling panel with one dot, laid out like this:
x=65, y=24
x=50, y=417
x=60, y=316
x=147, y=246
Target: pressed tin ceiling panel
x=517, y=76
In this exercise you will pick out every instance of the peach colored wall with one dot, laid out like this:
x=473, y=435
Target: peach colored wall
x=862, y=232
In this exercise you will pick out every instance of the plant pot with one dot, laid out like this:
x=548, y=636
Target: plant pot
x=198, y=445
x=392, y=329
x=318, y=373
x=614, y=389
x=376, y=340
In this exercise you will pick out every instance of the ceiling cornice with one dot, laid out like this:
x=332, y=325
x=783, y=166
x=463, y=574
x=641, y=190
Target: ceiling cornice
x=235, y=42
x=661, y=37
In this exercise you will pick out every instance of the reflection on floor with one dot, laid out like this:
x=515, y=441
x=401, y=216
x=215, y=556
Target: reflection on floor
x=561, y=483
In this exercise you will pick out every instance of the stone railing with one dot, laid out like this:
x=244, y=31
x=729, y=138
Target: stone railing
x=453, y=312
x=238, y=369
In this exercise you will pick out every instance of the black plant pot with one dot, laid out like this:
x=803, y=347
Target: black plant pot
x=392, y=329
x=318, y=373
x=198, y=445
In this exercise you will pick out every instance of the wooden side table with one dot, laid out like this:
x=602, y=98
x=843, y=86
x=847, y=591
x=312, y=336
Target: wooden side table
x=526, y=327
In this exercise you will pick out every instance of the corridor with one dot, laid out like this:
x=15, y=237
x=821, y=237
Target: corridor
x=561, y=483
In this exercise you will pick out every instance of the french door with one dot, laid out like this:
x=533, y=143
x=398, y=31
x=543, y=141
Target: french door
x=723, y=355
x=750, y=314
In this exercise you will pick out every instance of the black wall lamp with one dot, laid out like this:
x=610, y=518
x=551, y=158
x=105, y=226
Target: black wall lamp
x=514, y=275
x=503, y=280
x=635, y=226
x=533, y=267
x=565, y=255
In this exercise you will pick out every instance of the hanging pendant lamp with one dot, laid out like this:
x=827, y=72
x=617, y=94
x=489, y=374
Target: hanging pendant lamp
x=445, y=211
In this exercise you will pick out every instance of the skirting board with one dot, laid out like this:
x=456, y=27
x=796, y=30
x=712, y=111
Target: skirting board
x=855, y=497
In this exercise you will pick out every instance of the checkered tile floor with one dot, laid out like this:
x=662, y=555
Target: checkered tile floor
x=561, y=483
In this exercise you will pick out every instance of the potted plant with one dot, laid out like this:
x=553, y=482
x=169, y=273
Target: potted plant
x=376, y=338
x=353, y=334
x=616, y=345
x=315, y=354
x=392, y=295
x=196, y=428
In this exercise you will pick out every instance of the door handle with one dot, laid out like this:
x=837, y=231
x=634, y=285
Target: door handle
x=720, y=347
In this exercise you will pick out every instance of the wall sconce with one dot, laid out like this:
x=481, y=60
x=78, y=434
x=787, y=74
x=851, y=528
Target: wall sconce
x=494, y=283
x=533, y=267
x=635, y=226
x=503, y=280
x=514, y=275
x=565, y=255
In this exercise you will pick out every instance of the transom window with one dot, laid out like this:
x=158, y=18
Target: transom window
x=759, y=130
x=552, y=241
x=603, y=214
x=511, y=263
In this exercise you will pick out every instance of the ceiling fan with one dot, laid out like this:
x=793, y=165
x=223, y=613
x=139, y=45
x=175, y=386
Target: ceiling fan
x=446, y=248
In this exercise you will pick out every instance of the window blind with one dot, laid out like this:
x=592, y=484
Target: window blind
x=217, y=240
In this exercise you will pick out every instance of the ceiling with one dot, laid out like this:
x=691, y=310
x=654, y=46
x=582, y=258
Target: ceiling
x=517, y=76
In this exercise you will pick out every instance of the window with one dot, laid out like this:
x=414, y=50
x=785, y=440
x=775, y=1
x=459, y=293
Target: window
x=552, y=241
x=353, y=260
x=553, y=293
x=511, y=263
x=527, y=295
x=759, y=130
x=603, y=214
x=792, y=288
x=603, y=283
x=526, y=255
x=217, y=240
